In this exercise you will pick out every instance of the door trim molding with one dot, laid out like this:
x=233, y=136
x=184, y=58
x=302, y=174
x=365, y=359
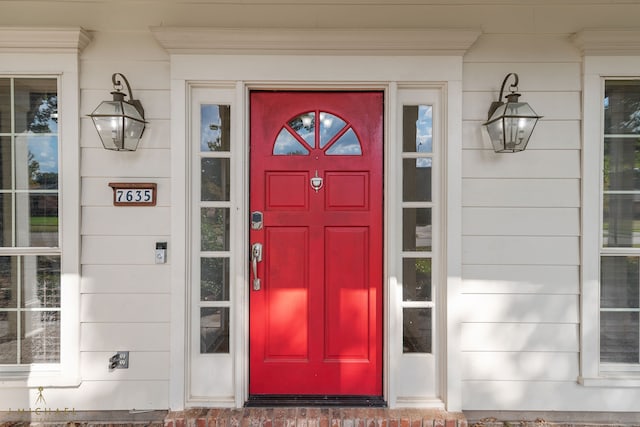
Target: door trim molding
x=390, y=41
x=242, y=73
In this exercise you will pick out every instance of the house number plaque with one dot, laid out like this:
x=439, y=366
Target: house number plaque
x=134, y=193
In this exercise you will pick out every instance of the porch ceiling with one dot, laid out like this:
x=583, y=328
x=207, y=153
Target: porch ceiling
x=492, y=16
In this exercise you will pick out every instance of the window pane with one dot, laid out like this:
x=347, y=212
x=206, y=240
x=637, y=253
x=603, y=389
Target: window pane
x=621, y=220
x=5, y=105
x=37, y=219
x=214, y=279
x=36, y=105
x=8, y=281
x=215, y=179
x=619, y=282
x=347, y=145
x=36, y=162
x=8, y=337
x=214, y=330
x=287, y=145
x=40, y=281
x=621, y=170
x=416, y=180
x=305, y=126
x=416, y=279
x=214, y=229
x=6, y=220
x=41, y=340
x=622, y=107
x=6, y=163
x=215, y=127
x=619, y=332
x=416, y=229
x=330, y=125
x=416, y=330
x=417, y=129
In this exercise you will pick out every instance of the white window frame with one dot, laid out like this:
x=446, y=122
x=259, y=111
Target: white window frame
x=408, y=392
x=607, y=54
x=53, y=52
x=200, y=390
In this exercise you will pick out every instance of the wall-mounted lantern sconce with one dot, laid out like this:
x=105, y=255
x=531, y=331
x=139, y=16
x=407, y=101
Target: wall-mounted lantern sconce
x=510, y=124
x=119, y=123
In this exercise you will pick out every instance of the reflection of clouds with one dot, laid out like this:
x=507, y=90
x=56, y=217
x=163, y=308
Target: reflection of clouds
x=330, y=125
x=424, y=128
x=53, y=126
x=45, y=151
x=346, y=150
x=347, y=145
x=424, y=163
x=286, y=144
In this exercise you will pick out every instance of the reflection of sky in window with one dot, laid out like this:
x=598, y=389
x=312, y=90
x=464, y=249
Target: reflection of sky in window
x=424, y=129
x=45, y=151
x=209, y=115
x=423, y=163
x=46, y=109
x=287, y=144
x=330, y=125
x=346, y=145
x=305, y=126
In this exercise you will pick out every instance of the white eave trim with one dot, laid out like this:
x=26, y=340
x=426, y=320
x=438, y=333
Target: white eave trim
x=180, y=40
x=602, y=42
x=41, y=40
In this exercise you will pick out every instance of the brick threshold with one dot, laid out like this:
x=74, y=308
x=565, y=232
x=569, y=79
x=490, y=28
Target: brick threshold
x=314, y=417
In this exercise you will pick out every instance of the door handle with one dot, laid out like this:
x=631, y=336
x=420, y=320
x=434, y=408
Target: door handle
x=256, y=257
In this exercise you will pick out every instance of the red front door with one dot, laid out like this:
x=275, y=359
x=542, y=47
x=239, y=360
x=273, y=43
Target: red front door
x=316, y=177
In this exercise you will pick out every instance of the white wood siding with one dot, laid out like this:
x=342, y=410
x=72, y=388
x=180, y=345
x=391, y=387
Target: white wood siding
x=521, y=236
x=521, y=231
x=125, y=299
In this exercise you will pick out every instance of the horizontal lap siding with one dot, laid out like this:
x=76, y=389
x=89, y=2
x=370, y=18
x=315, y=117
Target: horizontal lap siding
x=521, y=230
x=125, y=296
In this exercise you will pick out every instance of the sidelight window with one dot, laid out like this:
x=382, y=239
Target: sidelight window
x=215, y=222
x=417, y=229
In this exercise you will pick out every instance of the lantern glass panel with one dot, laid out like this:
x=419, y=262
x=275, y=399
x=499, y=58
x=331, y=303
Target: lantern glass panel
x=511, y=126
x=107, y=128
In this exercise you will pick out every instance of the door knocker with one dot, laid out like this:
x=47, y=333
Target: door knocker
x=316, y=182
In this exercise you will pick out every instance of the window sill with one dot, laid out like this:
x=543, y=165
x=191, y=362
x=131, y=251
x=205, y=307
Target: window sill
x=615, y=380
x=38, y=378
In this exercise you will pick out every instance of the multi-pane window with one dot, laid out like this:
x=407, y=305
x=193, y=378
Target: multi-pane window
x=417, y=229
x=29, y=234
x=620, y=242
x=215, y=222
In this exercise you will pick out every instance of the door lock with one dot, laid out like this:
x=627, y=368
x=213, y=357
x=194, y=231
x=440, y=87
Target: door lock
x=256, y=257
x=256, y=220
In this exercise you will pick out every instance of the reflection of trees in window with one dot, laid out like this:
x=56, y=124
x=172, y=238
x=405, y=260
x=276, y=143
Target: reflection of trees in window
x=621, y=163
x=44, y=109
x=335, y=136
x=48, y=279
x=38, y=179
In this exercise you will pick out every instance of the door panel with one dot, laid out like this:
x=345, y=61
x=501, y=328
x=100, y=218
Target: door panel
x=288, y=295
x=316, y=174
x=347, y=325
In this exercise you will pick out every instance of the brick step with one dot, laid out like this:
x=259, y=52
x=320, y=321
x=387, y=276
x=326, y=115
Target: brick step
x=314, y=417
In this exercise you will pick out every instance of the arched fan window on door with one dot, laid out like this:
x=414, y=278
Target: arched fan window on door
x=333, y=136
